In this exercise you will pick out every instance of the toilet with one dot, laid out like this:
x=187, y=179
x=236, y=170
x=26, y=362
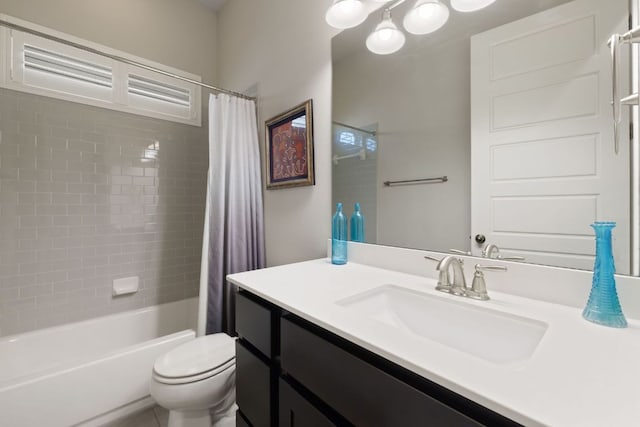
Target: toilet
x=196, y=382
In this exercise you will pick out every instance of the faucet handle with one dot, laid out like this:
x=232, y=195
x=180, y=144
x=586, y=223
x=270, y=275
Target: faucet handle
x=492, y=248
x=479, y=286
x=482, y=268
x=444, y=284
x=510, y=258
x=459, y=252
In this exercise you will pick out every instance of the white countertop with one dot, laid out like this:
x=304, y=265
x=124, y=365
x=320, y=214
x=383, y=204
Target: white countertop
x=581, y=374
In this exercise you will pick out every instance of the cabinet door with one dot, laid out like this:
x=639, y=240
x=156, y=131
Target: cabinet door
x=253, y=387
x=362, y=393
x=253, y=323
x=296, y=411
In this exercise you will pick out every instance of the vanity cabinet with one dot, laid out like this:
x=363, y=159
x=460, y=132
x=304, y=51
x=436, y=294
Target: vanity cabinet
x=256, y=360
x=292, y=373
x=253, y=391
x=296, y=411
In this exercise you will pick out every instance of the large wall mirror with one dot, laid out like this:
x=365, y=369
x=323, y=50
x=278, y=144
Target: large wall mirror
x=506, y=113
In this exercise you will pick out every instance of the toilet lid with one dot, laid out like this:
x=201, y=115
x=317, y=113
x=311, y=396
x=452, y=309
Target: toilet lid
x=197, y=356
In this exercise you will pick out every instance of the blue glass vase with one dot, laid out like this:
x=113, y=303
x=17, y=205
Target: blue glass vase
x=339, y=237
x=603, y=306
x=357, y=225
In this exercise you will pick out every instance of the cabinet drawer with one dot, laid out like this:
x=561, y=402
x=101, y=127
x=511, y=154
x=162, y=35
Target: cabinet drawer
x=253, y=387
x=296, y=411
x=364, y=394
x=253, y=323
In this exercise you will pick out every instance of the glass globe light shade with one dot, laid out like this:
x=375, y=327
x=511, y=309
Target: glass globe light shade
x=426, y=17
x=470, y=5
x=346, y=14
x=386, y=38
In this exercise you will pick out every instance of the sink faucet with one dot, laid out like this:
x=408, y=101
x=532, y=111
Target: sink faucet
x=489, y=250
x=492, y=249
x=459, y=285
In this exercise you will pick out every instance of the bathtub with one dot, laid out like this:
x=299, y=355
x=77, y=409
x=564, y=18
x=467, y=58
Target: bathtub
x=90, y=372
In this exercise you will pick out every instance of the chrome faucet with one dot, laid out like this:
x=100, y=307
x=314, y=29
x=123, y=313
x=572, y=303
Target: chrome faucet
x=488, y=252
x=458, y=286
x=491, y=249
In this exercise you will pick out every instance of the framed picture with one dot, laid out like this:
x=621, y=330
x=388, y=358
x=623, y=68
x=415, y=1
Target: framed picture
x=289, y=148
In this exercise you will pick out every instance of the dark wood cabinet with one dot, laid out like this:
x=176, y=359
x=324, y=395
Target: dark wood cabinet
x=254, y=321
x=253, y=387
x=257, y=366
x=300, y=375
x=296, y=411
x=362, y=393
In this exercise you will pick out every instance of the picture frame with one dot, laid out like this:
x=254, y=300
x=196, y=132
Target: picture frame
x=289, y=148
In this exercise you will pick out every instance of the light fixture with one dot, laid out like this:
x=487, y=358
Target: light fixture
x=346, y=14
x=426, y=16
x=386, y=38
x=470, y=5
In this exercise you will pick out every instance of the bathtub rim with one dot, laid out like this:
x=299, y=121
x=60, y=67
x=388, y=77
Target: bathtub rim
x=74, y=363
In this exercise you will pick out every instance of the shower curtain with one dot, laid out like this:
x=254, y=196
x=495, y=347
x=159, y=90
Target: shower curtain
x=234, y=206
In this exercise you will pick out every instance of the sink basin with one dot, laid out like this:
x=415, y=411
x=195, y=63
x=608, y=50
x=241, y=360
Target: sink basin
x=492, y=335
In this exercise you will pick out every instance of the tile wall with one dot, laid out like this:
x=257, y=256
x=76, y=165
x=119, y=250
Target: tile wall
x=89, y=195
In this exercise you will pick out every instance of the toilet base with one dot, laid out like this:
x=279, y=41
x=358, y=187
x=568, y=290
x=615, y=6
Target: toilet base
x=202, y=418
x=227, y=421
x=189, y=418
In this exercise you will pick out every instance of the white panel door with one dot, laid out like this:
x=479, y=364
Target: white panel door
x=543, y=166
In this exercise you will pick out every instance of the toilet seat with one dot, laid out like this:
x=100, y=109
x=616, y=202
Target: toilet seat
x=196, y=360
x=193, y=378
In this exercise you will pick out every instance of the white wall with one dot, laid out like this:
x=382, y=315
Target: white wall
x=178, y=33
x=283, y=47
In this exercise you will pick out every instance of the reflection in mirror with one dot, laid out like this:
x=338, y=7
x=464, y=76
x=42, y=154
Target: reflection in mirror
x=512, y=105
x=355, y=172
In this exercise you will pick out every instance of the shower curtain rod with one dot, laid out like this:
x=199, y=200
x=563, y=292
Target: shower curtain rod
x=370, y=132
x=121, y=59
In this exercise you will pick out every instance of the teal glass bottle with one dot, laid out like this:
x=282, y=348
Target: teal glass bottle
x=603, y=306
x=357, y=225
x=339, y=237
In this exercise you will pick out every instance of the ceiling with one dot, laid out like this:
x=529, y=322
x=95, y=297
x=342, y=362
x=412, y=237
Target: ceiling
x=213, y=4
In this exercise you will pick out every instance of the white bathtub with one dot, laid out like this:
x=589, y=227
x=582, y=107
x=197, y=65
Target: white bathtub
x=88, y=372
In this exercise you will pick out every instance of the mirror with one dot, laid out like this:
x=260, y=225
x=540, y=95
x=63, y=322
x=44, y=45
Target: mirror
x=513, y=149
